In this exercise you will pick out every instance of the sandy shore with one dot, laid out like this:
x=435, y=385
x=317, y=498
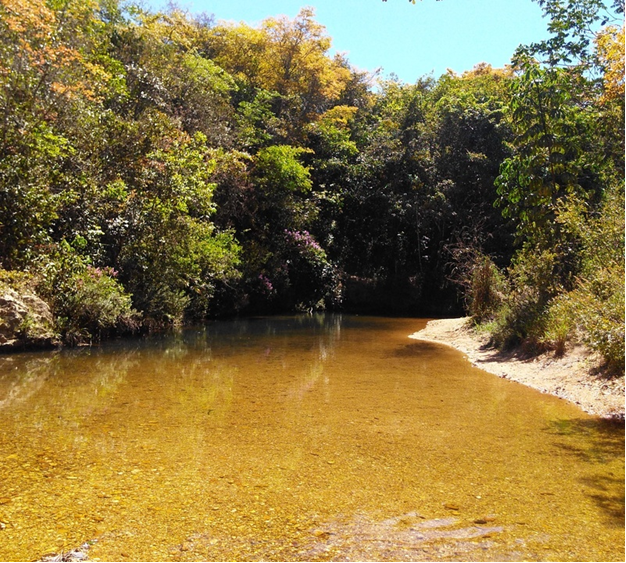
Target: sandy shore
x=576, y=376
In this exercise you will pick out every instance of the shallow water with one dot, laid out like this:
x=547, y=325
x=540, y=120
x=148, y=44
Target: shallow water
x=300, y=438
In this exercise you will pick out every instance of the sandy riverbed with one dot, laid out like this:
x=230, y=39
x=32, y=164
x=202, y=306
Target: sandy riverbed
x=576, y=376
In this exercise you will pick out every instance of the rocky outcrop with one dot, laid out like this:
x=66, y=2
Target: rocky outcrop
x=25, y=321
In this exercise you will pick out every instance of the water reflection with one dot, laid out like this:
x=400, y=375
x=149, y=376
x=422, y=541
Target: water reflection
x=21, y=377
x=298, y=438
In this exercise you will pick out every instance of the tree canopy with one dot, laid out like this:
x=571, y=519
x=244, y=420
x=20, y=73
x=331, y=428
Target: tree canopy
x=158, y=168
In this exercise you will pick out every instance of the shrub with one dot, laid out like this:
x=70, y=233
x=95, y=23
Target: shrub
x=87, y=302
x=593, y=311
x=16, y=280
x=522, y=316
x=95, y=306
x=482, y=283
x=594, y=314
x=486, y=289
x=313, y=280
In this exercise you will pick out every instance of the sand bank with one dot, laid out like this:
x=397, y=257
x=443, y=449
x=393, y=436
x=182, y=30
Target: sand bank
x=575, y=376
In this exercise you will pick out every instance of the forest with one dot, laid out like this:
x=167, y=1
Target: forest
x=160, y=169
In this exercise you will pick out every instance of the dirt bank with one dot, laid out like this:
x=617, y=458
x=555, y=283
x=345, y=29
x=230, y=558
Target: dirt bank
x=576, y=376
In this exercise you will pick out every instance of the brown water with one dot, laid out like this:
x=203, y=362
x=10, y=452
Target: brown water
x=307, y=438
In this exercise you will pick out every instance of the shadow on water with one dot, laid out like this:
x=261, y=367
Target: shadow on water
x=415, y=349
x=604, y=444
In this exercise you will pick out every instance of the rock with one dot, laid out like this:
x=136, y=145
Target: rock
x=25, y=321
x=484, y=520
x=74, y=555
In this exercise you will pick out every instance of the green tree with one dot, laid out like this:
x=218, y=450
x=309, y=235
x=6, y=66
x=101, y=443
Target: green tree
x=562, y=181
x=549, y=121
x=471, y=143
x=170, y=256
x=573, y=28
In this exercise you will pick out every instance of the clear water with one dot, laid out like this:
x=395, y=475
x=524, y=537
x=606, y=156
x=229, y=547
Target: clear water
x=298, y=438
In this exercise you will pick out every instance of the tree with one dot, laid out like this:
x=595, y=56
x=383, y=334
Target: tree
x=565, y=175
x=170, y=256
x=610, y=50
x=52, y=70
x=573, y=28
x=288, y=59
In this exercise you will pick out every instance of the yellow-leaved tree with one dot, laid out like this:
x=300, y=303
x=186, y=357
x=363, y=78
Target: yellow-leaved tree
x=610, y=49
x=287, y=57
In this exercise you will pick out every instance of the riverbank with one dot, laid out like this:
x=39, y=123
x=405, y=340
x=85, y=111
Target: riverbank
x=576, y=376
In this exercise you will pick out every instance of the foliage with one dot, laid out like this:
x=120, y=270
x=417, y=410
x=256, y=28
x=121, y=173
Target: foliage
x=563, y=186
x=571, y=27
x=483, y=285
x=313, y=280
x=278, y=170
x=157, y=168
x=594, y=310
x=88, y=303
x=287, y=58
x=522, y=315
x=593, y=313
x=472, y=141
x=96, y=305
x=546, y=165
x=174, y=259
x=610, y=49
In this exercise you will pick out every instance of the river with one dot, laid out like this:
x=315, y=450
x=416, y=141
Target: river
x=322, y=437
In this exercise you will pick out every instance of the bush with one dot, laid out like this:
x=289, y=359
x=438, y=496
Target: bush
x=483, y=284
x=487, y=287
x=594, y=314
x=314, y=280
x=87, y=303
x=97, y=305
x=522, y=315
x=593, y=311
x=16, y=280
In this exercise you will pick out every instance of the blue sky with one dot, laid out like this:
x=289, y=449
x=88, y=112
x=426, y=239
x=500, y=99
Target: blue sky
x=409, y=40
